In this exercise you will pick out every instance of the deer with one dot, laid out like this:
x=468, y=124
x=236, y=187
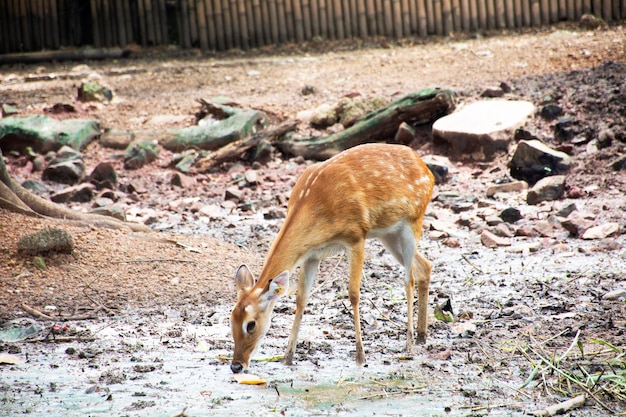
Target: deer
x=368, y=191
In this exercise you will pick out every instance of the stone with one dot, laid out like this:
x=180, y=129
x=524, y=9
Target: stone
x=181, y=180
x=602, y=231
x=547, y=189
x=576, y=224
x=233, y=193
x=492, y=92
x=615, y=295
x=619, y=164
x=534, y=160
x=46, y=240
x=140, y=153
x=508, y=187
x=490, y=240
x=405, y=134
x=112, y=210
x=510, y=215
x=104, y=176
x=80, y=193
x=566, y=210
x=481, y=129
x=116, y=138
x=66, y=167
x=251, y=177
x=94, y=91
x=551, y=111
x=565, y=129
x=438, y=165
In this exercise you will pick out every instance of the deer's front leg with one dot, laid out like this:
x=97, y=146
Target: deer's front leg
x=309, y=270
x=422, y=268
x=357, y=255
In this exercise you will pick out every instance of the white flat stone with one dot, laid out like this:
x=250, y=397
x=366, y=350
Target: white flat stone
x=479, y=130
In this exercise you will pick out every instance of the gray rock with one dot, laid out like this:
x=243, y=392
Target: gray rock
x=80, y=193
x=233, y=193
x=481, y=129
x=140, y=153
x=104, y=176
x=46, y=240
x=113, y=210
x=439, y=166
x=619, y=164
x=94, y=91
x=490, y=240
x=602, y=231
x=509, y=187
x=576, y=224
x=551, y=111
x=510, y=215
x=547, y=189
x=534, y=160
x=66, y=167
x=566, y=210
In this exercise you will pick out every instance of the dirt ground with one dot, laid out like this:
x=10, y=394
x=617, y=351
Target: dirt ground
x=149, y=331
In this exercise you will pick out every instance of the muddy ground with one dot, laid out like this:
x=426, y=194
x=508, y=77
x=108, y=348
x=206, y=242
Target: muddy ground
x=150, y=332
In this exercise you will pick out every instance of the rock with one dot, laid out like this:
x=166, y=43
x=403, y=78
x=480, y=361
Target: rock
x=602, y=231
x=181, y=180
x=46, y=240
x=94, y=91
x=509, y=187
x=405, y=134
x=233, y=193
x=308, y=89
x=566, y=210
x=492, y=92
x=116, y=138
x=212, y=211
x=565, y=129
x=525, y=247
x=262, y=153
x=251, y=177
x=534, y=160
x=44, y=134
x=275, y=213
x=503, y=230
x=35, y=187
x=185, y=160
x=481, y=129
x=80, y=193
x=112, y=210
x=8, y=110
x=104, y=176
x=619, y=164
x=547, y=189
x=605, y=138
x=66, y=167
x=140, y=153
x=615, y=294
x=322, y=117
x=551, y=111
x=576, y=224
x=438, y=165
x=490, y=240
x=351, y=109
x=510, y=215
x=591, y=22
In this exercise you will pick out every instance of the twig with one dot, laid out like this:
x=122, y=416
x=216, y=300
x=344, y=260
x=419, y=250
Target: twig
x=132, y=261
x=471, y=264
x=563, y=407
x=180, y=413
x=574, y=380
x=35, y=313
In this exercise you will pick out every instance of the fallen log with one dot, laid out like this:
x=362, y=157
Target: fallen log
x=234, y=151
x=422, y=107
x=65, y=55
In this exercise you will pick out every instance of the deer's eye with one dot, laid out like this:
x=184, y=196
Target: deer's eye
x=250, y=326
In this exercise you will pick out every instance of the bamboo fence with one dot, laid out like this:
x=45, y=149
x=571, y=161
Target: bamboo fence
x=35, y=25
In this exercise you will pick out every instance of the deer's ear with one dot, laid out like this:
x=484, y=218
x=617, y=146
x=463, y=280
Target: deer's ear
x=244, y=278
x=278, y=288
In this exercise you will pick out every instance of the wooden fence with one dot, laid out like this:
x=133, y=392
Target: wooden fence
x=34, y=25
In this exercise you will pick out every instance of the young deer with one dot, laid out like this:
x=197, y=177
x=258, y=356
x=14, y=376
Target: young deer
x=369, y=191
